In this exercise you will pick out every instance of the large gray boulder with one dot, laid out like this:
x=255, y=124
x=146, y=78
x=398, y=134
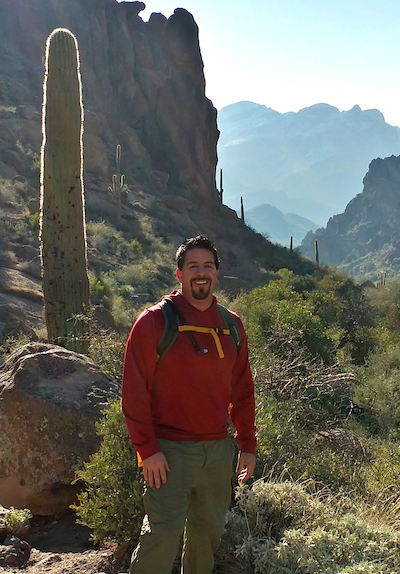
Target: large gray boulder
x=50, y=399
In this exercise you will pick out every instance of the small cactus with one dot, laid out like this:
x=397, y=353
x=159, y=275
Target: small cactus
x=62, y=213
x=316, y=253
x=241, y=209
x=291, y=243
x=118, y=181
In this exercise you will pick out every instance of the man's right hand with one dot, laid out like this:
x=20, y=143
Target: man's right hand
x=155, y=470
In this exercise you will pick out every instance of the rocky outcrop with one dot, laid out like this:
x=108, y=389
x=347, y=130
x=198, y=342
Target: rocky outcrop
x=50, y=399
x=365, y=239
x=143, y=86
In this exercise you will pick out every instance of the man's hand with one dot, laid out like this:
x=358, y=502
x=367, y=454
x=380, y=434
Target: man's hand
x=245, y=465
x=155, y=470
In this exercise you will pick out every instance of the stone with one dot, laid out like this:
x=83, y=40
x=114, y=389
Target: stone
x=50, y=400
x=14, y=552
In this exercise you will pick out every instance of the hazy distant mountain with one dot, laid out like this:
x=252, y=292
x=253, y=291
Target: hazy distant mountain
x=311, y=163
x=279, y=226
x=365, y=240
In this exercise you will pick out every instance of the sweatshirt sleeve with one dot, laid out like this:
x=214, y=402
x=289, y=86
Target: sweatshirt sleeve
x=139, y=366
x=242, y=399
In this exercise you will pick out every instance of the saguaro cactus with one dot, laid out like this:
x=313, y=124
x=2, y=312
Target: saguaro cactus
x=316, y=253
x=241, y=209
x=221, y=189
x=62, y=218
x=118, y=181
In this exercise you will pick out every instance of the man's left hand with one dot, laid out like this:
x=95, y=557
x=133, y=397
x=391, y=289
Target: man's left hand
x=245, y=465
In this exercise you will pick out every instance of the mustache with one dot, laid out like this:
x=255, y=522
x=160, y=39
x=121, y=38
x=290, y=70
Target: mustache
x=199, y=279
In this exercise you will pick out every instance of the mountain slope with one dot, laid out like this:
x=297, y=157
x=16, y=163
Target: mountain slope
x=311, y=162
x=365, y=239
x=144, y=88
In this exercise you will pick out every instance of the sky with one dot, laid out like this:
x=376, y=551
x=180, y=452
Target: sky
x=291, y=54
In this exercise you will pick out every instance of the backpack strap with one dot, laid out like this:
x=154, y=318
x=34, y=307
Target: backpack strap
x=173, y=318
x=232, y=325
x=171, y=324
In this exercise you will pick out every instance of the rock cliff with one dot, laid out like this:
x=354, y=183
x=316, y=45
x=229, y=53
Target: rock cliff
x=365, y=239
x=143, y=84
x=143, y=88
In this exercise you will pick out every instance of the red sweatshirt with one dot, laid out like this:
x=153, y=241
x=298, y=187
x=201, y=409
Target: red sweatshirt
x=186, y=396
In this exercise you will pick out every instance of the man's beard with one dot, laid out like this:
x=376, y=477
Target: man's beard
x=202, y=292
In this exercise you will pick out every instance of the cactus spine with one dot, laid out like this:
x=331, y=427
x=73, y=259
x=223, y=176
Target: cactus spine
x=118, y=181
x=62, y=216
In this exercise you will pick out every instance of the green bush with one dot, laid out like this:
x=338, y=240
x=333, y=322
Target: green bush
x=275, y=311
x=112, y=503
x=283, y=529
x=293, y=445
x=107, y=350
x=378, y=393
x=17, y=521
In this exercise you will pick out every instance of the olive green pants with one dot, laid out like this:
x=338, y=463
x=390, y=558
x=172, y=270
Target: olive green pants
x=195, y=498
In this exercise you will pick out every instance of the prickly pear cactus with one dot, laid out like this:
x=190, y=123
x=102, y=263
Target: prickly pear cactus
x=62, y=224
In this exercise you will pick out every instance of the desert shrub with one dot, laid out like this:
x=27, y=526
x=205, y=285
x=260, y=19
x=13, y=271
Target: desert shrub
x=379, y=391
x=112, y=503
x=100, y=291
x=107, y=350
x=386, y=302
x=275, y=311
x=17, y=521
x=11, y=343
x=290, y=445
x=109, y=241
x=284, y=529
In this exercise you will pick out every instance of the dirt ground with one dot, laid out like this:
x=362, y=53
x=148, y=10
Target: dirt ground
x=61, y=547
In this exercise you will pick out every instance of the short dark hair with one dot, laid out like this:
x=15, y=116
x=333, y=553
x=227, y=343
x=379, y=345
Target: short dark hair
x=198, y=242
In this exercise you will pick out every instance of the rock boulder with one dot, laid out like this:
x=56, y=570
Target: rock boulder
x=50, y=399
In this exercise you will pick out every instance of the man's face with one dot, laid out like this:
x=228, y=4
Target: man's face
x=198, y=275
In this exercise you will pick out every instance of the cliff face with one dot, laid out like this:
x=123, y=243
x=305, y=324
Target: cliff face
x=365, y=239
x=143, y=87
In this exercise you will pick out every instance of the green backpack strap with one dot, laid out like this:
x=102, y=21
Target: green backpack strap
x=171, y=324
x=231, y=324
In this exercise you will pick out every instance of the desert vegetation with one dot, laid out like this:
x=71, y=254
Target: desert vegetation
x=324, y=353
x=325, y=496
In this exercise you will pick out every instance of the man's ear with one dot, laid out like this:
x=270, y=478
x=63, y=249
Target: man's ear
x=178, y=274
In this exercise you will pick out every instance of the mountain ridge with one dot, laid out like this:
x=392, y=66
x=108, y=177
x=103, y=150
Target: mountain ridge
x=318, y=155
x=364, y=240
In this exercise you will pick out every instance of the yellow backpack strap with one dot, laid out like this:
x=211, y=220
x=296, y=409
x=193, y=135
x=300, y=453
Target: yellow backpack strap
x=210, y=330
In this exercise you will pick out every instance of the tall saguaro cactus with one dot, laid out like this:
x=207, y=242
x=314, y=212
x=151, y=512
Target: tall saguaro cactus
x=316, y=253
x=62, y=221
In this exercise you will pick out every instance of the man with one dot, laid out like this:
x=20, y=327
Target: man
x=177, y=410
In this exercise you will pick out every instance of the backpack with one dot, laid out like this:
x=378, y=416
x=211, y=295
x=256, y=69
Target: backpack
x=172, y=319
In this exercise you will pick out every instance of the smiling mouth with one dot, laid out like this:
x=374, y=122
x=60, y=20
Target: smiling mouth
x=200, y=282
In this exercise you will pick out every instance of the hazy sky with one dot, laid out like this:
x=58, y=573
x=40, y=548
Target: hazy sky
x=289, y=54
